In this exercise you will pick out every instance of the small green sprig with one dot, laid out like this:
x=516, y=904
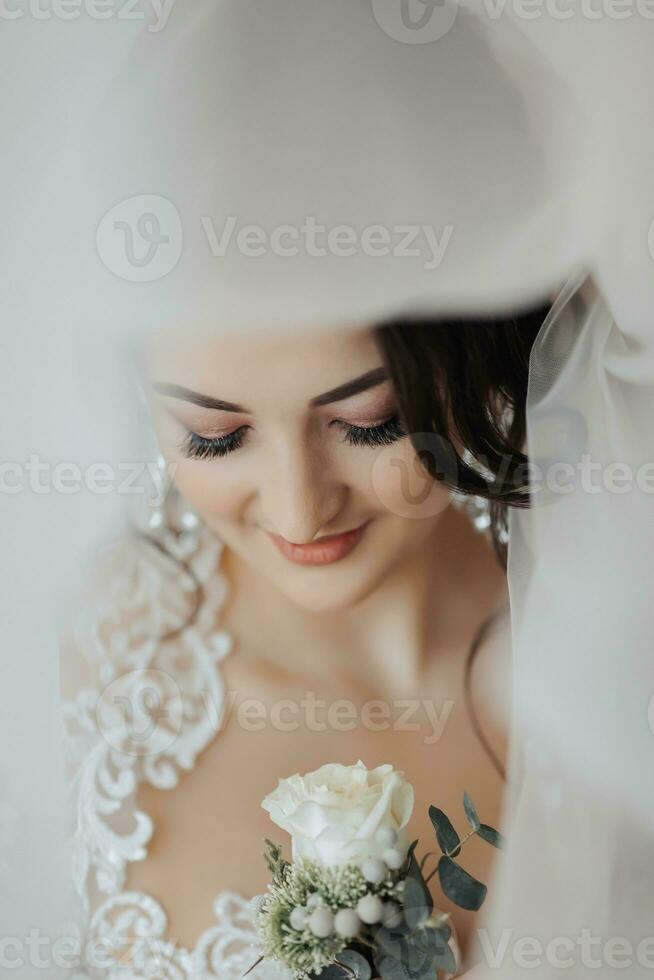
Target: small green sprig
x=459, y=886
x=275, y=863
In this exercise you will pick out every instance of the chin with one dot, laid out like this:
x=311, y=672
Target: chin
x=336, y=592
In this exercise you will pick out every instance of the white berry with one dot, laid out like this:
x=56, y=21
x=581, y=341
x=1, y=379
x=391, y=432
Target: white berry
x=298, y=918
x=370, y=909
x=392, y=915
x=374, y=871
x=314, y=901
x=321, y=922
x=347, y=923
x=392, y=858
x=386, y=837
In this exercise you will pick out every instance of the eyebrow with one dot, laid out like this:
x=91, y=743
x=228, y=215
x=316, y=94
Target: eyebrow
x=363, y=383
x=204, y=401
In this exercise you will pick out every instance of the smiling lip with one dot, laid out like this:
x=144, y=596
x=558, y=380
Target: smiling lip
x=322, y=552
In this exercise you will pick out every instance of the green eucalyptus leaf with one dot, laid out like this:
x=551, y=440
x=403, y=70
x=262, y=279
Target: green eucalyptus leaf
x=427, y=941
x=391, y=968
x=410, y=852
x=419, y=953
x=358, y=964
x=471, y=813
x=437, y=948
x=416, y=901
x=446, y=835
x=443, y=929
x=442, y=937
x=347, y=965
x=459, y=886
x=332, y=972
x=412, y=963
x=414, y=955
x=415, y=871
x=389, y=939
x=390, y=946
x=445, y=960
x=491, y=836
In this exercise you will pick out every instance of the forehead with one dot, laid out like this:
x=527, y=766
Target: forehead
x=301, y=365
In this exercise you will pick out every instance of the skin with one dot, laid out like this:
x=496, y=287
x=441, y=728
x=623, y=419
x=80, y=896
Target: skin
x=296, y=476
x=393, y=620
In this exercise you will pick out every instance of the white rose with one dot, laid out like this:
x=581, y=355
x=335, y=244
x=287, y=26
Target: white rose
x=334, y=813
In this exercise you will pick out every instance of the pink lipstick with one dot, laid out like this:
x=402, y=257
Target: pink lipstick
x=324, y=551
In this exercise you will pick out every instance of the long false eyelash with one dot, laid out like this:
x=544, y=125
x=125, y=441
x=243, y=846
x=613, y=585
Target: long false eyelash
x=199, y=447
x=383, y=434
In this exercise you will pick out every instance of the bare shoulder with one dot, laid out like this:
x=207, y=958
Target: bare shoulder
x=491, y=681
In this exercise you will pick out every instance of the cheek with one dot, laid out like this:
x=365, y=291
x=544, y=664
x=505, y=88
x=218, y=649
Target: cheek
x=401, y=485
x=216, y=489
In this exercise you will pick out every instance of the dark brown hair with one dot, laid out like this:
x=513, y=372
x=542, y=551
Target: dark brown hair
x=461, y=385
x=464, y=382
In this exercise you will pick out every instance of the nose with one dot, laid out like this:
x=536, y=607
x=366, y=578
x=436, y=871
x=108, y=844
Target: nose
x=299, y=494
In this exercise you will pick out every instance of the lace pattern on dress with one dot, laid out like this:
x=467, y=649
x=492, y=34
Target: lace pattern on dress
x=154, y=705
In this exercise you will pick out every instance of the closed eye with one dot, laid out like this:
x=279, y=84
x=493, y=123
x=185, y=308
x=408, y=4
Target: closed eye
x=383, y=434
x=201, y=447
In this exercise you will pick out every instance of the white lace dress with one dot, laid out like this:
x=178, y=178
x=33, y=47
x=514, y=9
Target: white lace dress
x=152, y=707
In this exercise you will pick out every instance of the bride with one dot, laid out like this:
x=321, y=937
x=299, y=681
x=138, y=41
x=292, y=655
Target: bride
x=309, y=591
x=364, y=614
x=209, y=662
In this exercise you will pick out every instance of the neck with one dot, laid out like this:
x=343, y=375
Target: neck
x=434, y=600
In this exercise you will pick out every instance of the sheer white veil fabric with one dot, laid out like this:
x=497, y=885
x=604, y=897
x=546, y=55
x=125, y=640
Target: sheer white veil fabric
x=575, y=890
x=502, y=134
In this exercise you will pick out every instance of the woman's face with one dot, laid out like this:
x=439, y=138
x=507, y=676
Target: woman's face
x=292, y=452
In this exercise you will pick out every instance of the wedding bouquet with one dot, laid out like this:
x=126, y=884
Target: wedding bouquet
x=353, y=902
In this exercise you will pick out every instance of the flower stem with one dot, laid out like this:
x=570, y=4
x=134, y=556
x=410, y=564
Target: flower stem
x=450, y=853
